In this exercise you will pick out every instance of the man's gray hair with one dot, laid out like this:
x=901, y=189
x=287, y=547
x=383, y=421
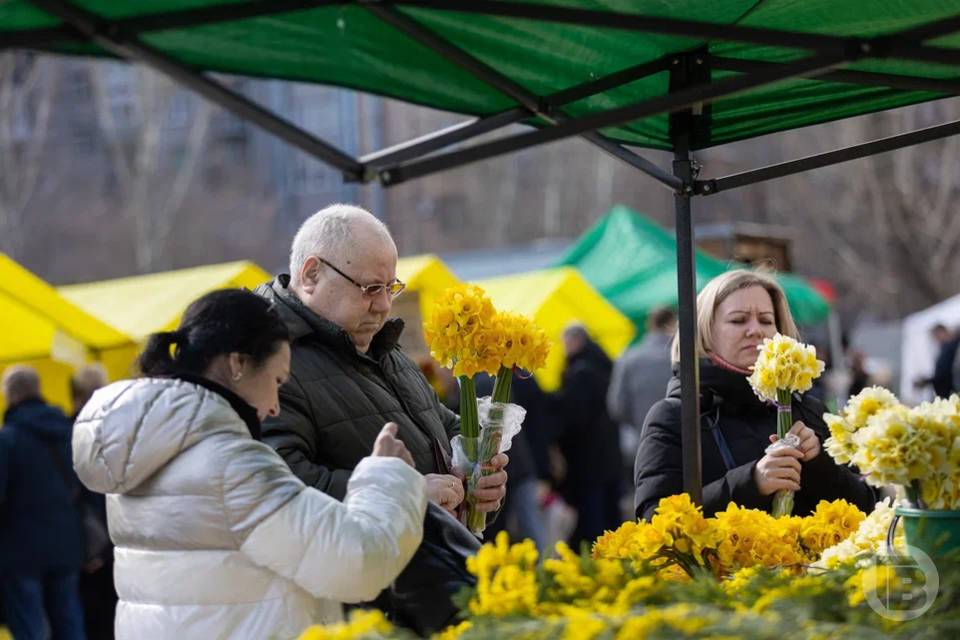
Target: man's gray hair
x=20, y=382
x=327, y=233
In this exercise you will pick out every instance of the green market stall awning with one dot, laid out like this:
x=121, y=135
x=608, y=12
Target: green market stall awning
x=632, y=261
x=668, y=74
x=611, y=71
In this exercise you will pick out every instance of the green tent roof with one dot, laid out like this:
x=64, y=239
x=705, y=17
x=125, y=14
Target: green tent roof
x=633, y=262
x=346, y=44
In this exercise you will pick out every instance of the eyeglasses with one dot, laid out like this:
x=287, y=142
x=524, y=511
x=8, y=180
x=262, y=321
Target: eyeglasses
x=370, y=290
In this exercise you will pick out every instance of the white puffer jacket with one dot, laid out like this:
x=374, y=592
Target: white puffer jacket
x=215, y=537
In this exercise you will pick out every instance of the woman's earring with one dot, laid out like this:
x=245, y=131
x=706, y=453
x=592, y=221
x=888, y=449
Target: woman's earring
x=237, y=376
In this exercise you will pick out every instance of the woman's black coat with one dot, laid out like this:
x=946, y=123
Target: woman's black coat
x=728, y=404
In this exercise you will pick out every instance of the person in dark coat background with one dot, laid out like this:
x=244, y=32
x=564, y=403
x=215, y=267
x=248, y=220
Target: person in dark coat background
x=97, y=591
x=589, y=439
x=40, y=532
x=735, y=312
x=942, y=379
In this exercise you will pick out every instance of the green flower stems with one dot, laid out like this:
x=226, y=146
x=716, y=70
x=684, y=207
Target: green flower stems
x=783, y=499
x=501, y=388
x=469, y=421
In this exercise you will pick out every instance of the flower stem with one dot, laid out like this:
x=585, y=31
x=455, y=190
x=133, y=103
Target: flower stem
x=501, y=388
x=784, y=418
x=783, y=499
x=469, y=420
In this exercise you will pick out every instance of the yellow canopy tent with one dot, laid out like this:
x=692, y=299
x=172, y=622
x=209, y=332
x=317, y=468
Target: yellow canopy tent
x=426, y=277
x=40, y=327
x=554, y=298
x=141, y=305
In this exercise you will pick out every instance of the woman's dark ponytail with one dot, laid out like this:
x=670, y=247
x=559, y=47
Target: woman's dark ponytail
x=218, y=323
x=156, y=358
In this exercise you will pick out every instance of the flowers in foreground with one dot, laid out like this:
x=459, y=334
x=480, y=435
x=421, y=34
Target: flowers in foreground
x=362, y=625
x=737, y=537
x=870, y=536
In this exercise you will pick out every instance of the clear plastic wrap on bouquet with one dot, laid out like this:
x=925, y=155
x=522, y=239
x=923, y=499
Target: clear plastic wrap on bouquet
x=783, y=499
x=499, y=423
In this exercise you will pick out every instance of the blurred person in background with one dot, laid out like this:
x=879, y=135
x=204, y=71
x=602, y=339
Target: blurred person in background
x=942, y=379
x=588, y=439
x=97, y=592
x=40, y=532
x=215, y=536
x=639, y=380
x=736, y=311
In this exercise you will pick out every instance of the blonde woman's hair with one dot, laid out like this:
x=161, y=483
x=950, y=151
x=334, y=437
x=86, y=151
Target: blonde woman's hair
x=718, y=290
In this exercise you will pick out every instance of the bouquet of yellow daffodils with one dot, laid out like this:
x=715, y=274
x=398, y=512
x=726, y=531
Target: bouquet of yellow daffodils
x=466, y=334
x=784, y=367
x=916, y=448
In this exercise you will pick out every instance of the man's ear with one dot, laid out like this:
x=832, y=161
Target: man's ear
x=310, y=274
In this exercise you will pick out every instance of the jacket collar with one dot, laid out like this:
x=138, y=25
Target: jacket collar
x=23, y=404
x=725, y=382
x=302, y=322
x=246, y=412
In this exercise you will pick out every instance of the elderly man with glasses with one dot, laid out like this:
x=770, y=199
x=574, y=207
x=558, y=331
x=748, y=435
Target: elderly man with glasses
x=348, y=374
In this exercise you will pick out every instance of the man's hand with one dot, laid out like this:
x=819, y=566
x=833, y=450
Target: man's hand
x=491, y=489
x=388, y=445
x=444, y=490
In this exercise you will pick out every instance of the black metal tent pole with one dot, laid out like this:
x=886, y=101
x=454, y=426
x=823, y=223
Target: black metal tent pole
x=535, y=104
x=682, y=99
x=131, y=48
x=686, y=127
x=899, y=141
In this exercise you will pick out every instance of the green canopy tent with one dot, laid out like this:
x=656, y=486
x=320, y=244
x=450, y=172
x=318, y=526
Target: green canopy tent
x=632, y=261
x=680, y=75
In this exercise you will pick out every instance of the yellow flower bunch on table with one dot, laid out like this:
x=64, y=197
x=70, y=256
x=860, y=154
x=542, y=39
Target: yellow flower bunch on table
x=362, y=625
x=860, y=408
x=678, y=534
x=734, y=538
x=918, y=449
x=506, y=575
x=869, y=537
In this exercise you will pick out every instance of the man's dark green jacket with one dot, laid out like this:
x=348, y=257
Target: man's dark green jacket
x=338, y=399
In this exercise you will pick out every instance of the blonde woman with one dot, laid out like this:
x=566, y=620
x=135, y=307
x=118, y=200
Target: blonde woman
x=735, y=312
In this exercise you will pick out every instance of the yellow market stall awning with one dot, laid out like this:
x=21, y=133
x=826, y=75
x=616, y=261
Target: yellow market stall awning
x=40, y=327
x=426, y=277
x=141, y=305
x=555, y=298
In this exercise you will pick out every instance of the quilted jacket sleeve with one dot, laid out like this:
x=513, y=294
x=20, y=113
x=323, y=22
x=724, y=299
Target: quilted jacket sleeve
x=294, y=436
x=345, y=551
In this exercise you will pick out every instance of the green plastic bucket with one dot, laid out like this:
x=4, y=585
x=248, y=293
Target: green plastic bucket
x=937, y=533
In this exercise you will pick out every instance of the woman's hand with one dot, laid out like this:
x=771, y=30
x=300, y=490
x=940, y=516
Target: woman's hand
x=446, y=491
x=809, y=442
x=388, y=445
x=779, y=469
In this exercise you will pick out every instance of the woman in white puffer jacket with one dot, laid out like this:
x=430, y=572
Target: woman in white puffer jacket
x=215, y=537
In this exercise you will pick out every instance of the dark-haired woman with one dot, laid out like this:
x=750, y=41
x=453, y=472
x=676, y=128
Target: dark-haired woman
x=215, y=537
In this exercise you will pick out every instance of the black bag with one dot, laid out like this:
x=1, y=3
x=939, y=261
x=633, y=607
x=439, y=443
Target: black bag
x=420, y=598
x=96, y=537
